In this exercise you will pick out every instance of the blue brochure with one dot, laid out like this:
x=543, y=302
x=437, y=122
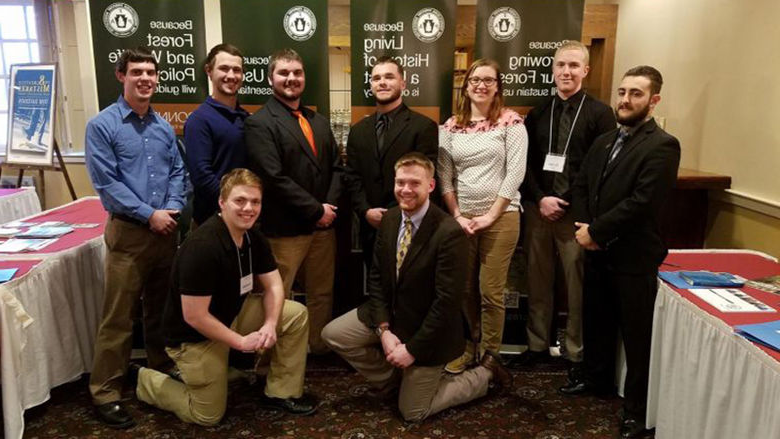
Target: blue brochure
x=700, y=279
x=7, y=274
x=710, y=279
x=767, y=334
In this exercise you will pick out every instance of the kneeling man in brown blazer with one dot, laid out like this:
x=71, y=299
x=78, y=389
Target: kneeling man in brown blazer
x=409, y=328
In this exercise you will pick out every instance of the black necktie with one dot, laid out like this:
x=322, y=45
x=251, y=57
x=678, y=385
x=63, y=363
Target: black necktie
x=381, y=127
x=561, y=179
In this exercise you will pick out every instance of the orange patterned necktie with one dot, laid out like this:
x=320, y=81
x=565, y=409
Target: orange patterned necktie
x=306, y=128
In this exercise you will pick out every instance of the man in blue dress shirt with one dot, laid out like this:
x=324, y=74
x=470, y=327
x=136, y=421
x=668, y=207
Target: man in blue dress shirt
x=136, y=169
x=214, y=132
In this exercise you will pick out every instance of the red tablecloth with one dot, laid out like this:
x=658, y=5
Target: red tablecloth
x=88, y=210
x=749, y=266
x=22, y=266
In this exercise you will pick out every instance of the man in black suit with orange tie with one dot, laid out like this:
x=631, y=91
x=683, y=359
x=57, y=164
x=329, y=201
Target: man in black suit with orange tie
x=293, y=150
x=376, y=142
x=410, y=327
x=625, y=179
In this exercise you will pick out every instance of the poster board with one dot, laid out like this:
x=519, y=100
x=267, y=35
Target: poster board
x=31, y=98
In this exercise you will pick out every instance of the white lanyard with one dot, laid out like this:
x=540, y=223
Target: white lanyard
x=571, y=130
x=245, y=282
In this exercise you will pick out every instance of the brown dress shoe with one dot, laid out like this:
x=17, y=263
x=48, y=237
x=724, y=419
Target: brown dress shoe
x=501, y=377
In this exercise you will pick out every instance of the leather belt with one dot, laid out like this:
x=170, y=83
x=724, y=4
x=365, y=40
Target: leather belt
x=127, y=219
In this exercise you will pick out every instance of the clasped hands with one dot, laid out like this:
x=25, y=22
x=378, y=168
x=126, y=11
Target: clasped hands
x=395, y=351
x=474, y=225
x=260, y=340
x=582, y=235
x=328, y=215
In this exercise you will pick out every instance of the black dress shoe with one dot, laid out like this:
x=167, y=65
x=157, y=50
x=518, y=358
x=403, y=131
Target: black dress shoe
x=295, y=406
x=583, y=387
x=528, y=359
x=114, y=415
x=632, y=428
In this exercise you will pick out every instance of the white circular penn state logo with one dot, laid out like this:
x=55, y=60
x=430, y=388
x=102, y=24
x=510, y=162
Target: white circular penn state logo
x=300, y=23
x=120, y=20
x=428, y=25
x=504, y=24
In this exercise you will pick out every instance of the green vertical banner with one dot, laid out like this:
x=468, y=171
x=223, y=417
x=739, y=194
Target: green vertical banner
x=522, y=36
x=261, y=27
x=420, y=34
x=173, y=30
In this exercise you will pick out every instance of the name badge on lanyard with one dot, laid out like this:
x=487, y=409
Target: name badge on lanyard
x=554, y=162
x=247, y=282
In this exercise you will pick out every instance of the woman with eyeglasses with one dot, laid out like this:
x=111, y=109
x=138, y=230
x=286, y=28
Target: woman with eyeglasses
x=482, y=156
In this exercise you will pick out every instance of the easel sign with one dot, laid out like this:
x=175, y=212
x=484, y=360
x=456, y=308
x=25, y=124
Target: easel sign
x=31, y=114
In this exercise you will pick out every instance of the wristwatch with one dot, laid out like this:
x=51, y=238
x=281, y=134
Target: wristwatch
x=379, y=330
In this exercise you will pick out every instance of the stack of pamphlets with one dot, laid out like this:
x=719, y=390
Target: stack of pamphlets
x=26, y=236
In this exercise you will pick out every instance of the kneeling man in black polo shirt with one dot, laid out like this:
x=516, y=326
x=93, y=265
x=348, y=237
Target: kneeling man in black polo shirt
x=227, y=293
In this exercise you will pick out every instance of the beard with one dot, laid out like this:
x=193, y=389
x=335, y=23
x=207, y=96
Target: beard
x=396, y=94
x=289, y=95
x=634, y=118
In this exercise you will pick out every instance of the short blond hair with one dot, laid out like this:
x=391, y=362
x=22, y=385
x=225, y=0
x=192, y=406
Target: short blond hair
x=418, y=159
x=238, y=177
x=574, y=45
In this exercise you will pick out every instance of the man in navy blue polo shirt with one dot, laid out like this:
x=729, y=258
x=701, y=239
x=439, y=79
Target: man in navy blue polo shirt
x=214, y=132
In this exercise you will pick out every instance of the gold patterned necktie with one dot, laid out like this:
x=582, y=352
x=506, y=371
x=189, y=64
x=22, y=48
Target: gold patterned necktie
x=406, y=239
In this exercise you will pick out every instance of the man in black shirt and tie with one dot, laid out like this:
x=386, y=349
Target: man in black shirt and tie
x=618, y=197
x=560, y=132
x=377, y=142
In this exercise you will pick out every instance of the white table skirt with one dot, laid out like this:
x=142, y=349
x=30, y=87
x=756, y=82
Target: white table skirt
x=49, y=321
x=705, y=381
x=19, y=205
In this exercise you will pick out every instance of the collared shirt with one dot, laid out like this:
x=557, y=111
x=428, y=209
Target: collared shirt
x=133, y=162
x=391, y=115
x=214, y=141
x=416, y=218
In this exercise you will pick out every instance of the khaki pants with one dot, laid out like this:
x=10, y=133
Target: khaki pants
x=315, y=257
x=547, y=242
x=490, y=253
x=138, y=264
x=202, y=396
x=423, y=390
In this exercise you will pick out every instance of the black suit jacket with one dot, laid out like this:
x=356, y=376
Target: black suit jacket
x=295, y=181
x=369, y=174
x=423, y=303
x=622, y=200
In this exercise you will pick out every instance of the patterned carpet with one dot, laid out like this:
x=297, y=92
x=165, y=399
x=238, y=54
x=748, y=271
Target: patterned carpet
x=533, y=410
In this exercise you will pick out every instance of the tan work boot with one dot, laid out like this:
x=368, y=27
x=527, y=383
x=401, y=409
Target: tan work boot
x=462, y=363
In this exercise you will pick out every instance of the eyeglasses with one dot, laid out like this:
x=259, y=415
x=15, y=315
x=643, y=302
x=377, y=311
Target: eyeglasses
x=475, y=80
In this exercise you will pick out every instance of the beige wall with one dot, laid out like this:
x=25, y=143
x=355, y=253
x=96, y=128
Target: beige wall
x=719, y=61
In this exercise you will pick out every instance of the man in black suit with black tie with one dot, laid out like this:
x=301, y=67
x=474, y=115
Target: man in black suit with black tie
x=376, y=142
x=293, y=150
x=625, y=179
x=409, y=329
